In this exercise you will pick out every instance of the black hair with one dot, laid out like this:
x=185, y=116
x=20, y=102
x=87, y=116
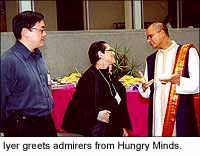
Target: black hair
x=94, y=49
x=26, y=19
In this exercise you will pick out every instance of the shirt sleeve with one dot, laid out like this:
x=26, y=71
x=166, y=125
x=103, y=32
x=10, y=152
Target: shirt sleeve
x=5, y=88
x=190, y=85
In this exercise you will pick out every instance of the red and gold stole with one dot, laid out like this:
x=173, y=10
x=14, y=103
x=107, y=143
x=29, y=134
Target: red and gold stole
x=174, y=98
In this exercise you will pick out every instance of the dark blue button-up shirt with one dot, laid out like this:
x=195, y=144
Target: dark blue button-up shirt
x=24, y=84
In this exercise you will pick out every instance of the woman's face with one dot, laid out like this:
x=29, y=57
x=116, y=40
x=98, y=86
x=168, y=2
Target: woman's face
x=109, y=56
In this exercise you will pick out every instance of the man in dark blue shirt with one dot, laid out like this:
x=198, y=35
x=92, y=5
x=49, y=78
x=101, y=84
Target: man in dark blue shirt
x=26, y=100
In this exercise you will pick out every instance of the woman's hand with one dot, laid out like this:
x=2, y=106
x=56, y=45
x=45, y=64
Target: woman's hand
x=104, y=116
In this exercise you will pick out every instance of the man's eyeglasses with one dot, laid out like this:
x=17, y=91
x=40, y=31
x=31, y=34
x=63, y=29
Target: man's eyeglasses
x=41, y=30
x=152, y=35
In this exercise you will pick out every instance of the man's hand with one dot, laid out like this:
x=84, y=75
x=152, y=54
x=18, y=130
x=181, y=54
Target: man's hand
x=145, y=83
x=174, y=79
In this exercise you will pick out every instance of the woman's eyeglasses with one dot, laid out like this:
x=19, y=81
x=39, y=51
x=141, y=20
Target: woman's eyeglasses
x=111, y=50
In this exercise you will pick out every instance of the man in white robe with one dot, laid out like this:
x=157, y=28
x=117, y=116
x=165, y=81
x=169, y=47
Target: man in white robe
x=157, y=86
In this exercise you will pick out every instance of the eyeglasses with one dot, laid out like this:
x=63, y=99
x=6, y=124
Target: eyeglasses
x=41, y=30
x=108, y=50
x=152, y=35
x=111, y=50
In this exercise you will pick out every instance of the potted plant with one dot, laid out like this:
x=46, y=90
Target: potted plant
x=123, y=65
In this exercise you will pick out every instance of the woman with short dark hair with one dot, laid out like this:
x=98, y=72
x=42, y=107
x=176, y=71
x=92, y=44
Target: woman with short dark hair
x=98, y=106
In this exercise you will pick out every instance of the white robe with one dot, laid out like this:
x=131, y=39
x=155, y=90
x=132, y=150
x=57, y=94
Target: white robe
x=164, y=64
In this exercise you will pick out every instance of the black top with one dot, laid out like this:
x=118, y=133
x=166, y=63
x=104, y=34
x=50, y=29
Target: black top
x=92, y=95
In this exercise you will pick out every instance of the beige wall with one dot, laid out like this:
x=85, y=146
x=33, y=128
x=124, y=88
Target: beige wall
x=65, y=50
x=102, y=14
x=155, y=10
x=48, y=8
x=11, y=11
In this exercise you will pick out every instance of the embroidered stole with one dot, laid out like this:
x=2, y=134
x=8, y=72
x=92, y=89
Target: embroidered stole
x=174, y=99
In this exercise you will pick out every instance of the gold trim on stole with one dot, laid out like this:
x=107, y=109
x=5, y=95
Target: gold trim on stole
x=173, y=99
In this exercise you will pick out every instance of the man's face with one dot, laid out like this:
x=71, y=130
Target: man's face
x=154, y=37
x=37, y=35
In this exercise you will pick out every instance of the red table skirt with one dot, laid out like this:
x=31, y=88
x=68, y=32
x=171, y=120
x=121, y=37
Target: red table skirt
x=137, y=107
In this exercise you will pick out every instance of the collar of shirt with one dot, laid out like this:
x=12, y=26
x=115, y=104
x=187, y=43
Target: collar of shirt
x=172, y=46
x=36, y=53
x=25, y=52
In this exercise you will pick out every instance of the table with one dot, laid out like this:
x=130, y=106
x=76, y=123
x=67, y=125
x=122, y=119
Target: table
x=138, y=112
x=137, y=108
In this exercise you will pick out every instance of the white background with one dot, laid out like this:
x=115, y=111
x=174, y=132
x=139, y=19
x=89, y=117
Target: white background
x=186, y=145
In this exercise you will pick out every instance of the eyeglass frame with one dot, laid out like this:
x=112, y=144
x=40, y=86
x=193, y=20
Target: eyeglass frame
x=110, y=50
x=41, y=30
x=152, y=35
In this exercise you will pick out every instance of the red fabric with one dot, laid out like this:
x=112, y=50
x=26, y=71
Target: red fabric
x=137, y=107
x=138, y=112
x=61, y=99
x=196, y=98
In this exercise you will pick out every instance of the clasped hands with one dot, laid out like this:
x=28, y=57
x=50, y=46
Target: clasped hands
x=104, y=116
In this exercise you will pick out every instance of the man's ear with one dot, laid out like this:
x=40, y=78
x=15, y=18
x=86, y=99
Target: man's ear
x=100, y=54
x=25, y=32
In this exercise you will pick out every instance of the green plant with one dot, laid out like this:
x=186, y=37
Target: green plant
x=123, y=66
x=133, y=68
